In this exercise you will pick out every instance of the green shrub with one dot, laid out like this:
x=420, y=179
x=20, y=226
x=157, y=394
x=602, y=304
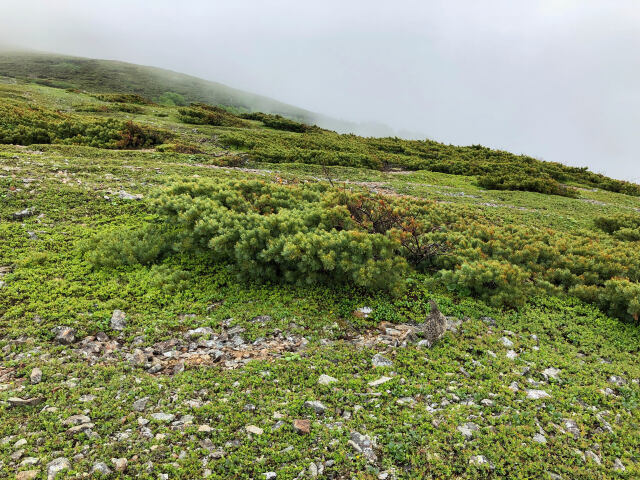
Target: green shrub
x=278, y=122
x=281, y=233
x=497, y=282
x=114, y=248
x=123, y=98
x=179, y=147
x=201, y=114
x=623, y=227
x=530, y=183
x=32, y=125
x=172, y=99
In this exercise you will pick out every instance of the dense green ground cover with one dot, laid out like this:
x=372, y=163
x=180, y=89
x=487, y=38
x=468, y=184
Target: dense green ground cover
x=560, y=248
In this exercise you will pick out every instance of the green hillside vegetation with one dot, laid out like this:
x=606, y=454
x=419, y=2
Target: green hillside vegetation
x=106, y=76
x=251, y=256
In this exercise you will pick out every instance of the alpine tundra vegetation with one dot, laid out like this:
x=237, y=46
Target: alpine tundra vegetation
x=197, y=289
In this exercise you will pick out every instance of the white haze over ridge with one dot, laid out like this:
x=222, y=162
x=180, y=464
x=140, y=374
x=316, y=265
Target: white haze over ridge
x=555, y=79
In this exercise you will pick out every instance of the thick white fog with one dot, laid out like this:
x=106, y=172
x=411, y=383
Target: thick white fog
x=556, y=79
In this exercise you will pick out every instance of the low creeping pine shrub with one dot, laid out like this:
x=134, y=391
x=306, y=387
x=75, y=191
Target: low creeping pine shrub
x=307, y=234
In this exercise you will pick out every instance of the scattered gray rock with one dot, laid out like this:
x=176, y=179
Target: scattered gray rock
x=124, y=195
x=163, y=417
x=76, y=420
x=480, y=460
x=572, y=427
x=270, y=476
x=537, y=394
x=506, y=342
x=467, y=429
x=254, y=430
x=25, y=402
x=326, y=379
x=539, y=438
x=381, y=361
x=118, y=320
x=318, y=407
x=101, y=468
x=616, y=380
x=56, y=466
x=618, y=466
x=379, y=381
x=592, y=456
x=199, y=332
x=512, y=355
x=27, y=475
x=64, y=335
x=140, y=404
x=36, y=376
x=489, y=321
x=27, y=212
x=120, y=464
x=363, y=444
x=513, y=386
x=551, y=372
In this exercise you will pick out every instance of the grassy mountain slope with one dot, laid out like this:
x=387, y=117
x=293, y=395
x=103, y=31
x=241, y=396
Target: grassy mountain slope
x=112, y=76
x=209, y=375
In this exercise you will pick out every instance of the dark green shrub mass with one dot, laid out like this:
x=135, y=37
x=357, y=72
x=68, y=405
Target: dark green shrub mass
x=622, y=227
x=25, y=125
x=281, y=233
x=530, y=183
x=201, y=114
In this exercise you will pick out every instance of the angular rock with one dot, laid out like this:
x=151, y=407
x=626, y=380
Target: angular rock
x=326, y=379
x=379, y=381
x=467, y=429
x=572, y=427
x=27, y=475
x=381, y=361
x=56, y=466
x=363, y=444
x=25, y=402
x=592, y=456
x=163, y=417
x=140, y=404
x=27, y=212
x=36, y=376
x=64, y=335
x=539, y=438
x=318, y=407
x=101, y=468
x=120, y=464
x=506, y=342
x=118, y=320
x=618, y=466
x=254, y=430
x=537, y=394
x=480, y=460
x=302, y=426
x=76, y=420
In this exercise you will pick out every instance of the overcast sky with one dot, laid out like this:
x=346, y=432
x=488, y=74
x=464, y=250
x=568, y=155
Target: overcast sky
x=556, y=79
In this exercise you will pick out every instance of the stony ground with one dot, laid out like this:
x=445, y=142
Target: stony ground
x=179, y=371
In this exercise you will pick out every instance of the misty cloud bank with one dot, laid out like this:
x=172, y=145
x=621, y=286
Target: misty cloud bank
x=555, y=79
